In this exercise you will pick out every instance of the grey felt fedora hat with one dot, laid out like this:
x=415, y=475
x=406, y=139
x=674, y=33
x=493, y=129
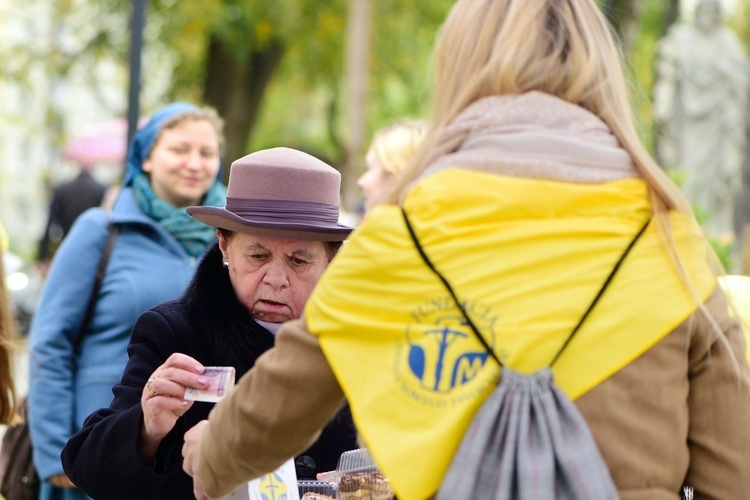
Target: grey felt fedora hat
x=282, y=193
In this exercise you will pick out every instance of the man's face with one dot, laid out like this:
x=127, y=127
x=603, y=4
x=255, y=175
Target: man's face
x=273, y=277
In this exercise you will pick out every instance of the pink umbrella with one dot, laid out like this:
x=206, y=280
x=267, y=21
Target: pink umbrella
x=103, y=143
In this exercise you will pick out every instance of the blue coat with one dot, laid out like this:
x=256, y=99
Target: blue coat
x=147, y=266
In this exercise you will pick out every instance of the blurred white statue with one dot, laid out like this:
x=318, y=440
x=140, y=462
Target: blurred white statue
x=700, y=101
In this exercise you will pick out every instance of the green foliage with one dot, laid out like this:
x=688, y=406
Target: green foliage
x=305, y=103
x=404, y=33
x=312, y=32
x=641, y=61
x=725, y=250
x=724, y=246
x=740, y=23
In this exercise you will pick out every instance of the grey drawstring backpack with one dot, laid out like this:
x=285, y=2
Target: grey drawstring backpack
x=528, y=440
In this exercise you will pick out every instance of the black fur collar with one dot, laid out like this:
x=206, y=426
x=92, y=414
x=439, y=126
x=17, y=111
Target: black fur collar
x=214, y=310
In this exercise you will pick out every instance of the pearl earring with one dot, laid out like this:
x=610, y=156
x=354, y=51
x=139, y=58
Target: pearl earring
x=226, y=264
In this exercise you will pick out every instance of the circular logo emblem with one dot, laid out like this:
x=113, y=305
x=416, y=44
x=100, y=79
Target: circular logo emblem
x=441, y=355
x=272, y=487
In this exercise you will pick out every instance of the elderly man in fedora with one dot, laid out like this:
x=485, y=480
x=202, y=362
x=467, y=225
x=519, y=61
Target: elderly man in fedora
x=277, y=234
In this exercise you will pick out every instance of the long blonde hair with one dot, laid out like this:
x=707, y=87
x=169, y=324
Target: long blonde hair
x=560, y=47
x=7, y=337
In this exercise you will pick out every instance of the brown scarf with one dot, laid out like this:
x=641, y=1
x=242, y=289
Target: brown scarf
x=532, y=135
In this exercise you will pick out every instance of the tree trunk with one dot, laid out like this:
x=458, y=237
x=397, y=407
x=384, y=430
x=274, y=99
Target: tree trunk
x=673, y=14
x=357, y=71
x=235, y=88
x=624, y=16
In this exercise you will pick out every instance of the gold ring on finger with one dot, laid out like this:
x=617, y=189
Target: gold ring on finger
x=150, y=390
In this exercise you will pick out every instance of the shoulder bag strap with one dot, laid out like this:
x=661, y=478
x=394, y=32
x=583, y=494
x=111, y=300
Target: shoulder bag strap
x=112, y=232
x=471, y=324
x=601, y=290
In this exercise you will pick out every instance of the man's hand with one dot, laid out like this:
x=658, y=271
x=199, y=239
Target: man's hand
x=198, y=491
x=191, y=452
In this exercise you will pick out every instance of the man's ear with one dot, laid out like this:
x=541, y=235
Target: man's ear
x=223, y=245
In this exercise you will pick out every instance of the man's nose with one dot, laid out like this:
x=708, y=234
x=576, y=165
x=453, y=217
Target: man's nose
x=276, y=275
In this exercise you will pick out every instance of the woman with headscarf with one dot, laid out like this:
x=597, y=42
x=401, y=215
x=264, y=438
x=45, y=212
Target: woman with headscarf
x=277, y=234
x=173, y=162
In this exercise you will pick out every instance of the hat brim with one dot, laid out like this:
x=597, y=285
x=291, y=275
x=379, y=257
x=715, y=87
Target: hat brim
x=222, y=218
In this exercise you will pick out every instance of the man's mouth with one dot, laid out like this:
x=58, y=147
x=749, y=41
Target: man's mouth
x=272, y=305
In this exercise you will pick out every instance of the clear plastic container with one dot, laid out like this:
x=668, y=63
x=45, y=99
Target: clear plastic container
x=316, y=490
x=359, y=478
x=356, y=461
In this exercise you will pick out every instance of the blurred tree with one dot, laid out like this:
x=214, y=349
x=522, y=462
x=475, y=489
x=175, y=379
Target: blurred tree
x=242, y=56
x=357, y=71
x=655, y=19
x=626, y=17
x=233, y=53
x=229, y=51
x=275, y=68
x=623, y=15
x=673, y=13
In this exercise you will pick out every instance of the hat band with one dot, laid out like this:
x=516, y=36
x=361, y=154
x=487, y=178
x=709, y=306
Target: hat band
x=284, y=210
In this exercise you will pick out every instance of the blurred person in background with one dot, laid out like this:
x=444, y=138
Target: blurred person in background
x=530, y=189
x=277, y=235
x=69, y=200
x=173, y=162
x=7, y=338
x=391, y=149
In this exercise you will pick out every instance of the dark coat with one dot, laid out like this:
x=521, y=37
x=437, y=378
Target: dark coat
x=69, y=200
x=209, y=324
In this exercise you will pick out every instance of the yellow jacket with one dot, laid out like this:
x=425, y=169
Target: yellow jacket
x=527, y=258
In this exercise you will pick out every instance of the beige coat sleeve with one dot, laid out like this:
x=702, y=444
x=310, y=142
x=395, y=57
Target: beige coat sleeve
x=719, y=404
x=277, y=410
x=679, y=414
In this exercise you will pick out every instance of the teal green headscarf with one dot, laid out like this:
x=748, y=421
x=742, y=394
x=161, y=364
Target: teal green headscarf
x=192, y=234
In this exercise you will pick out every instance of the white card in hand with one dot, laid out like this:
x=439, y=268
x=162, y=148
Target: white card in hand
x=220, y=382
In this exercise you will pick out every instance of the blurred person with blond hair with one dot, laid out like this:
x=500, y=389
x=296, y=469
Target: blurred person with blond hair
x=390, y=151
